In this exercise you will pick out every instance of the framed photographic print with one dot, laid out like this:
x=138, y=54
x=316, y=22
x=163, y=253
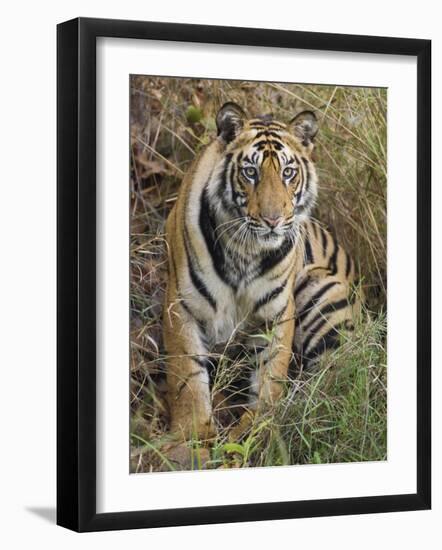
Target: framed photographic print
x=243, y=274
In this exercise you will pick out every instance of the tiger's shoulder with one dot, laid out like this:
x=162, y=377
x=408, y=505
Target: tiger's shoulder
x=200, y=170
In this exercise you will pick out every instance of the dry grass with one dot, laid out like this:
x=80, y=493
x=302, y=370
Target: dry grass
x=337, y=413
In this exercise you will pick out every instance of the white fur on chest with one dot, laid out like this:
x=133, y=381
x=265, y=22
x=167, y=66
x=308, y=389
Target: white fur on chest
x=226, y=321
x=233, y=313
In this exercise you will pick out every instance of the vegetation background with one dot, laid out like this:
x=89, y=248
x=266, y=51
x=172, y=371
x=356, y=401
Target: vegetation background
x=338, y=412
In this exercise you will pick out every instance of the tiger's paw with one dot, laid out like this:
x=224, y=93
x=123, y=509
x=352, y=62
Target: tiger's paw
x=183, y=456
x=186, y=429
x=242, y=428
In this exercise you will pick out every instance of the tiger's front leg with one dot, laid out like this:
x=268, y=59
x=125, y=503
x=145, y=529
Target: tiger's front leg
x=273, y=352
x=275, y=359
x=187, y=376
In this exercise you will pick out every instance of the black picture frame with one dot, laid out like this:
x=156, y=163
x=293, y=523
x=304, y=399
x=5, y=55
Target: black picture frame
x=77, y=286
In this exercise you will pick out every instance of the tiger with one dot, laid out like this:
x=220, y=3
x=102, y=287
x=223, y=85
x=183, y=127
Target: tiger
x=246, y=259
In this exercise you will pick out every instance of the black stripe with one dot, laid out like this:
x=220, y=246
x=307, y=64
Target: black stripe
x=324, y=241
x=269, y=296
x=236, y=194
x=230, y=203
x=314, y=300
x=315, y=229
x=312, y=334
x=277, y=145
x=207, y=224
x=308, y=259
x=190, y=251
x=329, y=341
x=197, y=281
x=274, y=257
x=223, y=179
x=267, y=133
x=306, y=179
x=299, y=187
x=332, y=262
x=304, y=167
x=329, y=308
x=302, y=286
x=260, y=145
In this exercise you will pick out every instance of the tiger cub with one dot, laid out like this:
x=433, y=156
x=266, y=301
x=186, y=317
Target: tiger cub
x=244, y=257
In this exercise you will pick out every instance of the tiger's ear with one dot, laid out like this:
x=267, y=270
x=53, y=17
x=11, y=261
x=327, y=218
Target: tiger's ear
x=305, y=127
x=230, y=121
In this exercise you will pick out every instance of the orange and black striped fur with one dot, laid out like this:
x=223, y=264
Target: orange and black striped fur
x=245, y=259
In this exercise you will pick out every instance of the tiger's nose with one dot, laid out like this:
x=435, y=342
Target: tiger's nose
x=272, y=221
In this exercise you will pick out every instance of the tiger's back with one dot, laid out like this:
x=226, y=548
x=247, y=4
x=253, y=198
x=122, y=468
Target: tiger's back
x=327, y=297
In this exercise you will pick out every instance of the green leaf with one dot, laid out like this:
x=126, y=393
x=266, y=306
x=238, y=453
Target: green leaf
x=193, y=114
x=234, y=448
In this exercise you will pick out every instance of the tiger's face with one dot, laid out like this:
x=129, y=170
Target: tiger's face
x=270, y=180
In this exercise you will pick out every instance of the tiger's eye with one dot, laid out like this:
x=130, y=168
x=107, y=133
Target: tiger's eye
x=288, y=172
x=250, y=172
